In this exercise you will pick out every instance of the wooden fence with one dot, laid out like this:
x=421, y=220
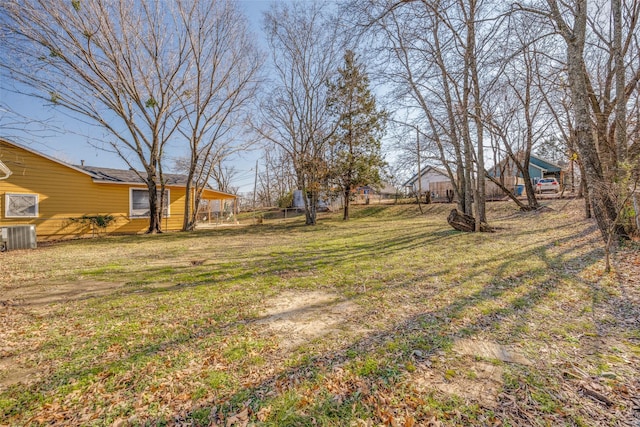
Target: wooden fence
x=439, y=190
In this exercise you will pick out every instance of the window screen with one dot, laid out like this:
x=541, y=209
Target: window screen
x=21, y=205
x=140, y=203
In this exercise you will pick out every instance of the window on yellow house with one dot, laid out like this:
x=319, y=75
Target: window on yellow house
x=20, y=205
x=139, y=203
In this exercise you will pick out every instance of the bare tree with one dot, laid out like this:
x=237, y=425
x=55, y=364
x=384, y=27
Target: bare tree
x=519, y=115
x=115, y=64
x=592, y=106
x=435, y=54
x=407, y=39
x=559, y=105
x=19, y=125
x=276, y=181
x=447, y=59
x=223, y=175
x=305, y=50
x=472, y=99
x=220, y=80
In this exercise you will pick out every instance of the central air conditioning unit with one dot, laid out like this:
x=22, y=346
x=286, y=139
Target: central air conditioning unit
x=17, y=237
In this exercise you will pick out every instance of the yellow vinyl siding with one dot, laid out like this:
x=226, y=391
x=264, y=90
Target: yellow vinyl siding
x=65, y=193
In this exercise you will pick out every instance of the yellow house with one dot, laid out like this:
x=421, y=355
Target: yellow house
x=36, y=189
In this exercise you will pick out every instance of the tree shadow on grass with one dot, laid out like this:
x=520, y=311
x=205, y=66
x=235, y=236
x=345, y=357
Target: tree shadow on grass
x=243, y=267
x=430, y=333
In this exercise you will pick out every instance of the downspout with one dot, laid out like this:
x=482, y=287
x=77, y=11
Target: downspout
x=5, y=170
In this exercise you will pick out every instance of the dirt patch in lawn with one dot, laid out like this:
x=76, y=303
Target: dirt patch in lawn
x=489, y=350
x=476, y=375
x=38, y=294
x=301, y=316
x=474, y=381
x=11, y=373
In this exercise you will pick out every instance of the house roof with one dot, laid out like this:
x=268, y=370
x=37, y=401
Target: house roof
x=128, y=176
x=384, y=188
x=543, y=164
x=424, y=171
x=115, y=176
x=387, y=188
x=534, y=161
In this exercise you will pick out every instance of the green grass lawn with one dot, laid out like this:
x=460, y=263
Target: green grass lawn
x=392, y=318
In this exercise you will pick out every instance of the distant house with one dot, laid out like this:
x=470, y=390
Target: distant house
x=431, y=180
x=36, y=189
x=323, y=204
x=543, y=169
x=511, y=177
x=385, y=191
x=538, y=169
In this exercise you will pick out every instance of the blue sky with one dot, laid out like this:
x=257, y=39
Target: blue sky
x=69, y=143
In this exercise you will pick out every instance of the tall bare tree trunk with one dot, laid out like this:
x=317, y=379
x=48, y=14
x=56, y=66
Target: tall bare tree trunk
x=472, y=63
x=621, y=99
x=604, y=207
x=584, y=191
x=155, y=223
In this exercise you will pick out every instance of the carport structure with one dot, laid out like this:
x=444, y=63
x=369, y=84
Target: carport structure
x=217, y=207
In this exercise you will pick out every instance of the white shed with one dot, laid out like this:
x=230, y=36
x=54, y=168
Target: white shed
x=428, y=176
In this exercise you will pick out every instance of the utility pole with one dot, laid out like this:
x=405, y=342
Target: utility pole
x=255, y=187
x=419, y=195
x=268, y=184
x=419, y=170
x=419, y=167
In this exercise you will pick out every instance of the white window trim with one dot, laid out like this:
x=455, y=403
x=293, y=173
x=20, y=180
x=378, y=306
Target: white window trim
x=6, y=205
x=167, y=198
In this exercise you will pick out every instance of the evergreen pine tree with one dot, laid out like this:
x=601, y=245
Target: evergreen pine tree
x=356, y=158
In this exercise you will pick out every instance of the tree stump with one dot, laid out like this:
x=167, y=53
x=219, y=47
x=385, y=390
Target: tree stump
x=464, y=222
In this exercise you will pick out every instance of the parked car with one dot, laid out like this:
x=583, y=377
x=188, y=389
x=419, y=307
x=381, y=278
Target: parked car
x=547, y=184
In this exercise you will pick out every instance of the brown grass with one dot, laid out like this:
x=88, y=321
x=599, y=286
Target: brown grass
x=390, y=319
